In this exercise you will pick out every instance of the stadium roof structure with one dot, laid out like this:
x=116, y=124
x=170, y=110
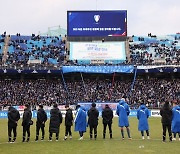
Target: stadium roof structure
x=54, y=31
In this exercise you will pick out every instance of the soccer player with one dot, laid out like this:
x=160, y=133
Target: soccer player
x=13, y=117
x=176, y=120
x=93, y=115
x=55, y=121
x=80, y=121
x=26, y=122
x=68, y=122
x=123, y=113
x=40, y=123
x=107, y=115
x=142, y=116
x=166, y=113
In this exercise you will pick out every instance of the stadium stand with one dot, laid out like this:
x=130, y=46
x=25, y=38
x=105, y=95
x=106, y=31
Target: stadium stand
x=51, y=51
x=1, y=47
x=155, y=50
x=153, y=92
x=24, y=50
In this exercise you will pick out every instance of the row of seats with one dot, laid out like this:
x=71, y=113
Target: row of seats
x=49, y=50
x=149, y=49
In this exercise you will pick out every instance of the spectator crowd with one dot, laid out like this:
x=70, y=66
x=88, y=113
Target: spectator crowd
x=151, y=50
x=152, y=92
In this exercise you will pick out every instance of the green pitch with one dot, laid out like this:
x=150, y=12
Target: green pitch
x=100, y=146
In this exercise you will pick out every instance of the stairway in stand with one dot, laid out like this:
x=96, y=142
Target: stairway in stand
x=5, y=49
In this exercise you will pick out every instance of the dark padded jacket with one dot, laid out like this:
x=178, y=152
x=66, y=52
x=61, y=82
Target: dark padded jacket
x=107, y=115
x=13, y=117
x=55, y=120
x=27, y=115
x=41, y=117
x=93, y=115
x=166, y=113
x=69, y=118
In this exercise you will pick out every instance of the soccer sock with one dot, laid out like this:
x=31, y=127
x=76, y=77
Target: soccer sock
x=81, y=134
x=23, y=138
x=128, y=132
x=147, y=132
x=90, y=135
x=110, y=135
x=122, y=132
x=95, y=136
x=57, y=136
x=164, y=137
x=9, y=139
x=170, y=137
x=142, y=133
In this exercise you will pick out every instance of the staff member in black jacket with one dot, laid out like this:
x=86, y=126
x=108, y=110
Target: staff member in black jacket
x=68, y=122
x=166, y=113
x=55, y=121
x=40, y=123
x=107, y=115
x=93, y=115
x=13, y=117
x=26, y=122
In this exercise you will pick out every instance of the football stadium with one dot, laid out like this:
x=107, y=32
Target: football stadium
x=106, y=79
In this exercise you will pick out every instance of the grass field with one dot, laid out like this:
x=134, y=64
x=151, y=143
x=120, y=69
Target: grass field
x=100, y=146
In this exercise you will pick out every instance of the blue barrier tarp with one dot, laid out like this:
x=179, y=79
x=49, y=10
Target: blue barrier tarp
x=98, y=69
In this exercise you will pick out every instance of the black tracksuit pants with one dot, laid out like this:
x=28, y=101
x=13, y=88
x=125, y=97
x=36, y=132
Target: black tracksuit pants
x=10, y=129
x=38, y=127
x=95, y=131
x=26, y=129
x=104, y=129
x=167, y=127
x=68, y=131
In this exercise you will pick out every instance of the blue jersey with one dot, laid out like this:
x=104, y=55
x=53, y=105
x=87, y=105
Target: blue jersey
x=80, y=120
x=123, y=112
x=176, y=119
x=143, y=115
